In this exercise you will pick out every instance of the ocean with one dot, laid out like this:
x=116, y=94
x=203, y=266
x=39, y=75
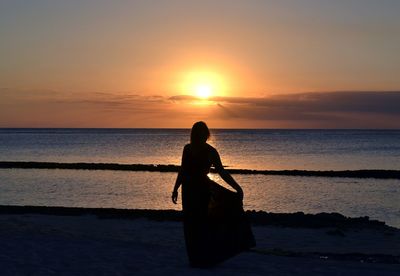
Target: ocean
x=271, y=149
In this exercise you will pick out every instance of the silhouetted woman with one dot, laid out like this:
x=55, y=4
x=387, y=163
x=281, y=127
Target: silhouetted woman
x=213, y=215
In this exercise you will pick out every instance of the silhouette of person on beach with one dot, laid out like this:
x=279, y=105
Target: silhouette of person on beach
x=215, y=226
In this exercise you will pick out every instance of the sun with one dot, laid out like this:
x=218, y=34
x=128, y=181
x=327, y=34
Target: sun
x=203, y=84
x=203, y=91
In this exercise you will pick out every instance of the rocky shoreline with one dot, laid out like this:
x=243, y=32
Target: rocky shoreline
x=378, y=174
x=298, y=219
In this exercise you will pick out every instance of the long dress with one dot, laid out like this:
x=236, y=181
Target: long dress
x=215, y=225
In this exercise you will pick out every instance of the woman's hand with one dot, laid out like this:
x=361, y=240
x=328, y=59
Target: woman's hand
x=174, y=196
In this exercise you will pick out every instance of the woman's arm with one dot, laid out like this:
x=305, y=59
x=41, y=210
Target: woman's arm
x=226, y=176
x=178, y=181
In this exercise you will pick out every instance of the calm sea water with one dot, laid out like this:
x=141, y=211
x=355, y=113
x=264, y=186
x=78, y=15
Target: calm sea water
x=245, y=149
x=253, y=149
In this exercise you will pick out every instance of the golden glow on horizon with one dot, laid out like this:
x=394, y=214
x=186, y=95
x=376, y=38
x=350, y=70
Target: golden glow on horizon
x=203, y=84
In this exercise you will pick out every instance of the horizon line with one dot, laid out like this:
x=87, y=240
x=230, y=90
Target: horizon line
x=185, y=128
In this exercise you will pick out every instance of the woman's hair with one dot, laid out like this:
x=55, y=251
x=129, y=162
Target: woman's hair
x=200, y=133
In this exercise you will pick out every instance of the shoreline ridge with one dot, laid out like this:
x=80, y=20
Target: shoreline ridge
x=368, y=173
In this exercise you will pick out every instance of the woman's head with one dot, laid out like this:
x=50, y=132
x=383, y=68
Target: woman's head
x=200, y=133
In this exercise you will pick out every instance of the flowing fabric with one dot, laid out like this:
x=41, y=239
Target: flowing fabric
x=215, y=224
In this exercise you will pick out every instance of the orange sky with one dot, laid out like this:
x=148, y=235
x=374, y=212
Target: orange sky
x=123, y=63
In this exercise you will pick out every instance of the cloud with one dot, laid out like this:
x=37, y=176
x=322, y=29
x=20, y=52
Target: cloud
x=97, y=100
x=373, y=109
x=47, y=108
x=350, y=109
x=359, y=101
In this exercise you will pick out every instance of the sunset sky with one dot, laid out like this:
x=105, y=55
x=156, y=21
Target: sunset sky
x=234, y=64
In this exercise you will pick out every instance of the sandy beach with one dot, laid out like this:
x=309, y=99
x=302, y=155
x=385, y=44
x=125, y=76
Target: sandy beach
x=34, y=243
